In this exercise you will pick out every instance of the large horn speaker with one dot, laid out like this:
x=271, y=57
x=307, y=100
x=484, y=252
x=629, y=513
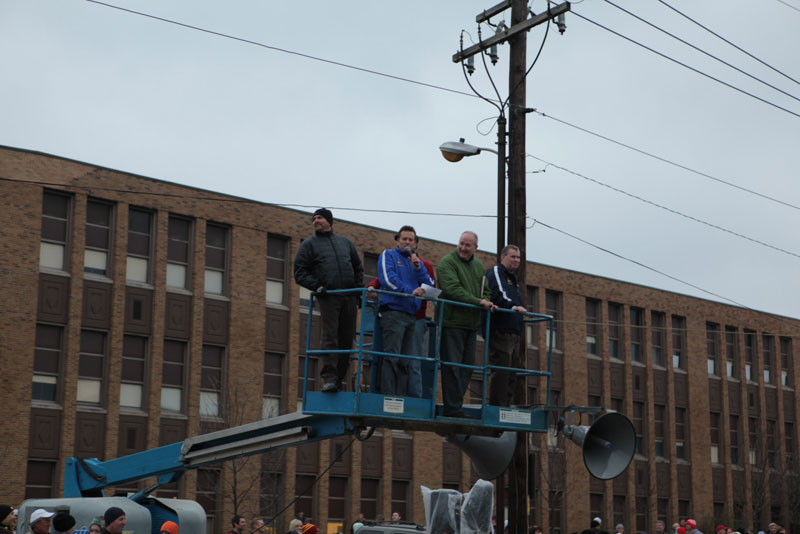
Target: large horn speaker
x=608, y=445
x=490, y=456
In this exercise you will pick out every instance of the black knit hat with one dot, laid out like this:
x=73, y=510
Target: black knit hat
x=325, y=213
x=63, y=522
x=112, y=514
x=4, y=511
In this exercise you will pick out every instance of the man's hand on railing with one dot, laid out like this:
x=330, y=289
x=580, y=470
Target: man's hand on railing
x=487, y=304
x=419, y=292
x=520, y=309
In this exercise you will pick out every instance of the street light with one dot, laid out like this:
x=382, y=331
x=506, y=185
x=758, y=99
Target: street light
x=456, y=151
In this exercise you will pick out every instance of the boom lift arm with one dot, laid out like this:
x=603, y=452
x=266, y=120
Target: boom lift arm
x=87, y=478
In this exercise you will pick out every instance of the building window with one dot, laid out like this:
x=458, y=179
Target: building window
x=641, y=514
x=47, y=362
x=659, y=413
x=658, y=330
x=39, y=480
x=273, y=384
x=592, y=325
x=555, y=511
x=680, y=433
x=337, y=499
x=99, y=217
x=132, y=386
x=216, y=259
x=786, y=362
x=370, y=497
x=370, y=266
x=91, y=366
x=771, y=442
x=768, y=351
x=208, y=496
x=678, y=341
x=712, y=348
x=140, y=226
x=639, y=427
x=637, y=333
x=734, y=436
x=304, y=490
x=532, y=329
x=179, y=252
x=788, y=429
x=715, y=437
x=173, y=371
x=277, y=269
x=212, y=381
x=615, y=330
x=749, y=354
x=731, y=351
x=55, y=231
x=553, y=309
x=311, y=383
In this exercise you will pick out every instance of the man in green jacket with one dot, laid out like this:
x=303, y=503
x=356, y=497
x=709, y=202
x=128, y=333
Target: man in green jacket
x=461, y=278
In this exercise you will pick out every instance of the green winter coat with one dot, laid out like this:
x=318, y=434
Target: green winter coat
x=461, y=281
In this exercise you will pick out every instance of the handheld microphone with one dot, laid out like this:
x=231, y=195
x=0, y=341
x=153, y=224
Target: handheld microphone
x=412, y=255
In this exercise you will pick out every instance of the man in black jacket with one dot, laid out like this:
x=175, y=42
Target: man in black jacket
x=327, y=261
x=505, y=328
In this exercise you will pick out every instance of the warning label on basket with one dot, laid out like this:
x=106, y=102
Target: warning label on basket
x=393, y=405
x=516, y=417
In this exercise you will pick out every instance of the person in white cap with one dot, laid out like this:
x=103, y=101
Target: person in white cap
x=40, y=521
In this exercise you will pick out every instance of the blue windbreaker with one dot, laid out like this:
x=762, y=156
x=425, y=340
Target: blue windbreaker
x=396, y=273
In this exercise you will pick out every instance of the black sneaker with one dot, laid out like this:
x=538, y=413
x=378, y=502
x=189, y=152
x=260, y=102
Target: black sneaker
x=330, y=387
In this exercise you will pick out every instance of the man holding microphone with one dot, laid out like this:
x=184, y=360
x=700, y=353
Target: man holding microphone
x=401, y=271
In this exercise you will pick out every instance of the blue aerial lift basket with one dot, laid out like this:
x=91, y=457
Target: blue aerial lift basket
x=369, y=409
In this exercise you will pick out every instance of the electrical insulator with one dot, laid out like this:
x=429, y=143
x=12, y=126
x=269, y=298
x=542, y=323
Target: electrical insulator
x=493, y=54
x=470, y=64
x=562, y=25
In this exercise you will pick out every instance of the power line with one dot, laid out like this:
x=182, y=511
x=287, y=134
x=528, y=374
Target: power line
x=670, y=162
x=640, y=264
x=242, y=200
x=737, y=69
x=675, y=278
x=665, y=208
x=730, y=43
x=726, y=84
x=784, y=2
x=441, y=88
x=284, y=50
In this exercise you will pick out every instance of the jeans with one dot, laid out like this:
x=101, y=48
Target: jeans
x=458, y=346
x=338, y=328
x=415, y=366
x=398, y=335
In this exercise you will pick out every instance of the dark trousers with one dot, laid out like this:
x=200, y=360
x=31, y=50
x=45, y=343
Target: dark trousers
x=502, y=348
x=398, y=338
x=458, y=345
x=338, y=328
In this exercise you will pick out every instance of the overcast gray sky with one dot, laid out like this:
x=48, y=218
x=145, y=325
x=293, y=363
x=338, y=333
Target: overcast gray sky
x=93, y=83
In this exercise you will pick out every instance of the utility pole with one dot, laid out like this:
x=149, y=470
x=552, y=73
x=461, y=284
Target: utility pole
x=518, y=479
x=516, y=36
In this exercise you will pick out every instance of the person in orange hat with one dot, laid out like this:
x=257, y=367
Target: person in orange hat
x=169, y=528
x=309, y=528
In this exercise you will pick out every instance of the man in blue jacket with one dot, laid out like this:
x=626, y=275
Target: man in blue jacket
x=400, y=271
x=505, y=328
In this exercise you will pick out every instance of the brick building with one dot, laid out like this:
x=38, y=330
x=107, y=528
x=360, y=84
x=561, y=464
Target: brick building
x=137, y=312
